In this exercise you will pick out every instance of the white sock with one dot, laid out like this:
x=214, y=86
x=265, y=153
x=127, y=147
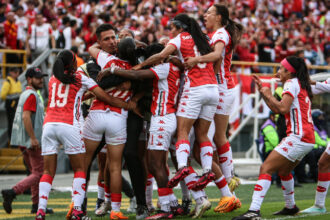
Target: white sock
x=79, y=188
x=226, y=161
x=260, y=190
x=206, y=155
x=182, y=152
x=190, y=180
x=223, y=186
x=322, y=189
x=164, y=200
x=185, y=191
x=107, y=194
x=45, y=185
x=116, y=201
x=173, y=200
x=288, y=190
x=100, y=190
x=149, y=190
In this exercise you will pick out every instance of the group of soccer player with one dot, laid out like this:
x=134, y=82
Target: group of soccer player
x=191, y=100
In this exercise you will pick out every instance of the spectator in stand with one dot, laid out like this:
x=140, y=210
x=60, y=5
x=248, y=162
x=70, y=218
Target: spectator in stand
x=22, y=25
x=37, y=41
x=266, y=51
x=11, y=37
x=10, y=91
x=57, y=34
x=31, y=12
x=2, y=12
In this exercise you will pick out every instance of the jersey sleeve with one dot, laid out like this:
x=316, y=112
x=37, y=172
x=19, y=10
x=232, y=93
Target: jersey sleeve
x=290, y=88
x=103, y=58
x=30, y=104
x=88, y=83
x=220, y=36
x=321, y=87
x=176, y=42
x=161, y=71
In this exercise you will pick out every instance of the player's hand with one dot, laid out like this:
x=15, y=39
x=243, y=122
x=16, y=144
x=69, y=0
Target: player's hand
x=102, y=74
x=257, y=81
x=190, y=62
x=34, y=143
x=137, y=67
x=131, y=105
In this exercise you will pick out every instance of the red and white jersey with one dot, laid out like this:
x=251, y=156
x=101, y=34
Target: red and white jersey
x=321, y=87
x=65, y=99
x=299, y=120
x=223, y=76
x=106, y=60
x=202, y=73
x=165, y=89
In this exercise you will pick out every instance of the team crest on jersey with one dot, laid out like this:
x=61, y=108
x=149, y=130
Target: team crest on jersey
x=186, y=37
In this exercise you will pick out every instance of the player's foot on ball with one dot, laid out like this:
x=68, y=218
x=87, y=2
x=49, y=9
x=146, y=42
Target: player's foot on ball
x=117, y=215
x=203, y=181
x=226, y=204
x=287, y=211
x=314, y=209
x=180, y=175
x=249, y=215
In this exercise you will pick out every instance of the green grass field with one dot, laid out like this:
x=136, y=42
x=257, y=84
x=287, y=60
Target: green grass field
x=59, y=201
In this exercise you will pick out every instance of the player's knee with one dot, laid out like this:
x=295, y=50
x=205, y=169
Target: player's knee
x=323, y=166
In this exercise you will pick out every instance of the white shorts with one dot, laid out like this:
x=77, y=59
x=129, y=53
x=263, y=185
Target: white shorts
x=112, y=124
x=293, y=149
x=328, y=149
x=199, y=102
x=56, y=134
x=226, y=101
x=162, y=129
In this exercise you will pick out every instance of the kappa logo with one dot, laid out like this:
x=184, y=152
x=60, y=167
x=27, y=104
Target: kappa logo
x=321, y=189
x=149, y=183
x=185, y=151
x=221, y=100
x=185, y=96
x=160, y=136
x=257, y=187
x=290, y=193
x=44, y=197
x=221, y=93
x=161, y=122
x=223, y=159
x=285, y=149
x=161, y=129
x=283, y=188
x=76, y=193
x=208, y=154
x=182, y=110
x=183, y=103
x=290, y=143
x=159, y=144
x=83, y=186
x=219, y=107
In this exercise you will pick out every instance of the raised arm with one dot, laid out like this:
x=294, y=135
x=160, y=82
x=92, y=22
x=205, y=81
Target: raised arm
x=129, y=74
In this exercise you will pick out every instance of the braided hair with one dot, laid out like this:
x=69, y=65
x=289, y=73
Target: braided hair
x=65, y=66
x=191, y=26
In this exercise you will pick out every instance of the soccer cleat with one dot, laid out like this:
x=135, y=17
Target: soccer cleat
x=103, y=210
x=98, y=203
x=40, y=215
x=34, y=209
x=132, y=205
x=69, y=214
x=238, y=203
x=314, y=209
x=201, y=208
x=203, y=181
x=226, y=204
x=249, y=215
x=142, y=212
x=234, y=183
x=79, y=215
x=117, y=215
x=180, y=175
x=186, y=205
x=287, y=211
x=161, y=215
x=8, y=196
x=177, y=210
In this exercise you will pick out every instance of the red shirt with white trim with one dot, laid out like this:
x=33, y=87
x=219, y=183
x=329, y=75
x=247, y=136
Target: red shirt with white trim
x=106, y=60
x=224, y=77
x=165, y=89
x=64, y=100
x=30, y=103
x=299, y=119
x=202, y=73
